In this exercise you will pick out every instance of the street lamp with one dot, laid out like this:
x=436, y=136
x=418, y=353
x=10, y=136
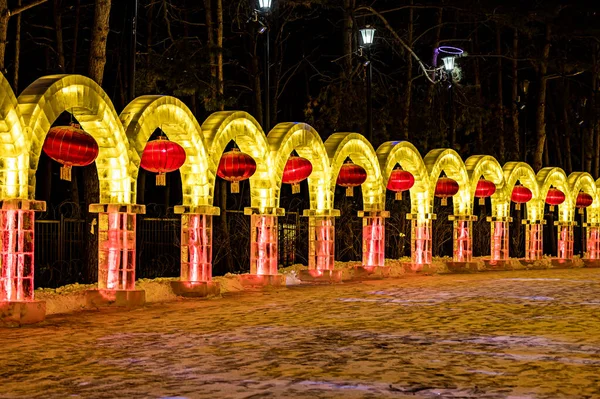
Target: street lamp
x=449, y=55
x=367, y=35
x=264, y=5
x=264, y=8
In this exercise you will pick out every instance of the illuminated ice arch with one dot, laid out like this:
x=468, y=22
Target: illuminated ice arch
x=449, y=162
x=47, y=98
x=14, y=144
x=147, y=113
x=404, y=153
x=339, y=147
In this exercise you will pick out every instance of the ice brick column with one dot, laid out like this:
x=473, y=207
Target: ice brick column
x=534, y=239
x=321, y=243
x=196, y=242
x=462, y=237
x=420, y=239
x=499, y=240
x=264, y=237
x=116, y=245
x=373, y=238
x=17, y=249
x=592, y=232
x=565, y=240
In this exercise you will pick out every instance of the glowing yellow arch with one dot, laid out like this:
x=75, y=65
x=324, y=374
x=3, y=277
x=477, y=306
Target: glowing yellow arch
x=488, y=167
x=286, y=137
x=222, y=127
x=520, y=171
x=450, y=162
x=147, y=113
x=14, y=146
x=42, y=103
x=579, y=181
x=556, y=177
x=340, y=146
x=404, y=153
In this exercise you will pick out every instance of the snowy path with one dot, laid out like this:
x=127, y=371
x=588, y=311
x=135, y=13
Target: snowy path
x=527, y=334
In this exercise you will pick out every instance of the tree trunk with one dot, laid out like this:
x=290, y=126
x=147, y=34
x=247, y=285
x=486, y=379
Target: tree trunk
x=478, y=94
x=567, y=127
x=540, y=114
x=500, y=95
x=57, y=14
x=17, y=52
x=348, y=39
x=150, y=18
x=409, y=76
x=75, y=36
x=99, y=36
x=220, y=81
x=211, y=52
x=516, y=149
x=4, y=17
x=594, y=117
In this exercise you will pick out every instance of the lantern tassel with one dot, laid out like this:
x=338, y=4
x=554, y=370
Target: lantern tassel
x=482, y=201
x=349, y=191
x=295, y=188
x=444, y=201
x=580, y=211
x=235, y=187
x=65, y=172
x=161, y=179
x=517, y=206
x=399, y=196
x=551, y=208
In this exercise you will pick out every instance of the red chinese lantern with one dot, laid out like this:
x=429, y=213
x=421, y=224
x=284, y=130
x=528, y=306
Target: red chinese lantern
x=296, y=170
x=236, y=166
x=71, y=146
x=162, y=156
x=485, y=188
x=520, y=195
x=350, y=176
x=445, y=187
x=554, y=197
x=583, y=201
x=399, y=181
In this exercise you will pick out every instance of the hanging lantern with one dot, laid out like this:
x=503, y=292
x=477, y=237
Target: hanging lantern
x=583, y=201
x=520, y=195
x=485, y=188
x=399, y=181
x=445, y=187
x=162, y=156
x=71, y=146
x=554, y=197
x=350, y=176
x=236, y=166
x=296, y=170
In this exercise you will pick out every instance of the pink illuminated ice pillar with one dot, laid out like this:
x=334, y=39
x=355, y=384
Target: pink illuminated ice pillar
x=420, y=239
x=264, y=237
x=116, y=245
x=373, y=239
x=592, y=241
x=499, y=244
x=565, y=240
x=462, y=249
x=196, y=247
x=321, y=242
x=17, y=249
x=534, y=239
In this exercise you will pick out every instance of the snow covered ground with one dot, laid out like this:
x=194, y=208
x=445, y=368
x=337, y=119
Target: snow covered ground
x=519, y=334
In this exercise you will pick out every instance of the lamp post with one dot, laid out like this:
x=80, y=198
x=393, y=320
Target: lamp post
x=264, y=8
x=524, y=86
x=367, y=35
x=449, y=55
